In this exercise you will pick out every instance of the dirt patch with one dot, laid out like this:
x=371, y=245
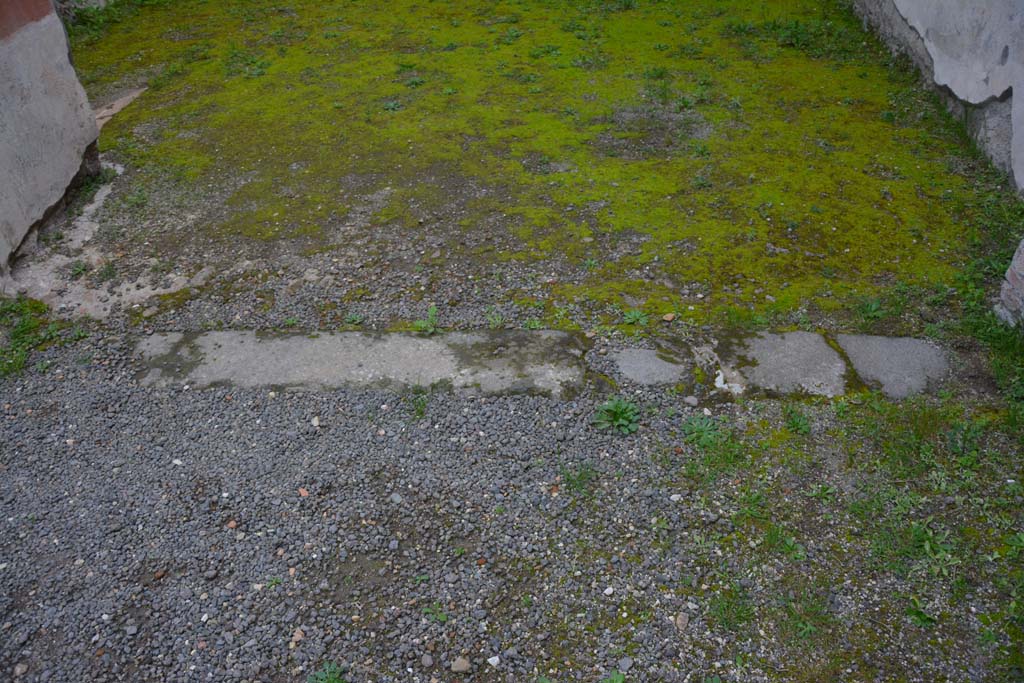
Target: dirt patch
x=649, y=131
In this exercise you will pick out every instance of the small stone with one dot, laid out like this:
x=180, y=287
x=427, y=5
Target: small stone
x=131, y=629
x=315, y=422
x=393, y=545
x=682, y=621
x=177, y=462
x=675, y=497
x=427, y=661
x=668, y=317
x=494, y=661
x=609, y=590
x=691, y=401
x=297, y=636
x=460, y=665
x=625, y=664
x=20, y=669
x=396, y=498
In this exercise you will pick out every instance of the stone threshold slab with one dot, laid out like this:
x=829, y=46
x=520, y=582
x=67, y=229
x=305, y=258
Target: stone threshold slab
x=812, y=364
x=540, y=362
x=498, y=362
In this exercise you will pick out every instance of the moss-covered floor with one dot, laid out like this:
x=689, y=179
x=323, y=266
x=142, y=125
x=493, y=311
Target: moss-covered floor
x=709, y=159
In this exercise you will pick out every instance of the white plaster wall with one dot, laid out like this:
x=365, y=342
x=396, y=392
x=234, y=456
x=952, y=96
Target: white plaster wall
x=977, y=51
x=973, y=50
x=46, y=125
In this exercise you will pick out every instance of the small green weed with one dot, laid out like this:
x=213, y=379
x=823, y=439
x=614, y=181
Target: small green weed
x=580, y=481
x=327, y=673
x=239, y=62
x=823, y=492
x=702, y=431
x=591, y=61
x=619, y=415
x=730, y=608
x=419, y=405
x=435, y=613
x=796, y=421
x=793, y=548
x=510, y=36
x=495, y=319
x=78, y=269
x=842, y=408
x=807, y=615
x=871, y=310
x=429, y=325
x=635, y=317
x=752, y=507
x=918, y=616
x=545, y=51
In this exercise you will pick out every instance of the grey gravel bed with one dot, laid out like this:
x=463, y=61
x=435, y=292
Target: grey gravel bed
x=219, y=535
x=168, y=534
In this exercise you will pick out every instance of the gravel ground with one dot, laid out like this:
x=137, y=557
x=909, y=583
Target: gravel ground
x=219, y=535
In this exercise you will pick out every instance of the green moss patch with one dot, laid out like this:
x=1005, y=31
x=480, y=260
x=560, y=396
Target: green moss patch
x=770, y=157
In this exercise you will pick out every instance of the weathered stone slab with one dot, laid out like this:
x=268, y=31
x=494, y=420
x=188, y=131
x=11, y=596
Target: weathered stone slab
x=544, y=362
x=648, y=367
x=788, y=363
x=46, y=124
x=900, y=366
x=1011, y=296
